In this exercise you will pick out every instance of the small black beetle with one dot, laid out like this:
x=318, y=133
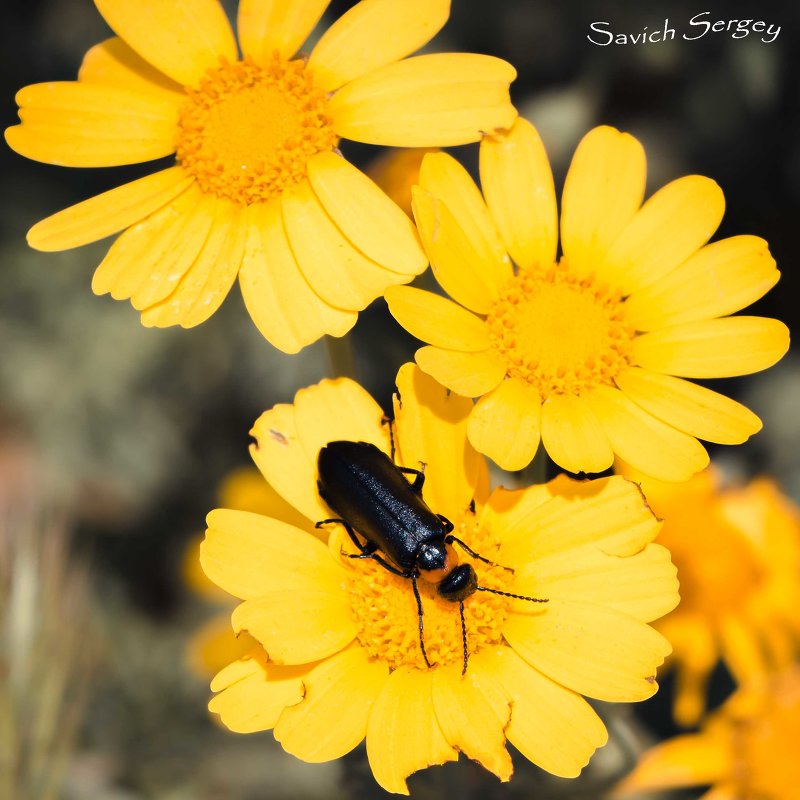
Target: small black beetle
x=374, y=499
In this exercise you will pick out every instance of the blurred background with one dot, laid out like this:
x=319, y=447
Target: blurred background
x=115, y=439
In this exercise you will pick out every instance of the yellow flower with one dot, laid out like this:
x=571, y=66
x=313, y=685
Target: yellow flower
x=259, y=189
x=341, y=656
x=746, y=751
x=397, y=172
x=737, y=551
x=582, y=352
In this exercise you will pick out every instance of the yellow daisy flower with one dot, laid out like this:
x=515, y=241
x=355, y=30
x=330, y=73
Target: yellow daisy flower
x=745, y=751
x=737, y=551
x=582, y=352
x=342, y=657
x=259, y=189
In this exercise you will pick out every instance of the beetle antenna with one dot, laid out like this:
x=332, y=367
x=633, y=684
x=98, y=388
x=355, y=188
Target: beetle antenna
x=515, y=596
x=421, y=627
x=463, y=636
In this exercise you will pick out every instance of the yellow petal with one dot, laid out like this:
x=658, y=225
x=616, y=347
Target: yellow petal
x=289, y=314
x=742, y=650
x=284, y=462
x=265, y=26
x=467, y=374
x=518, y=185
x=573, y=436
x=443, y=177
x=551, y=726
x=109, y=212
x=435, y=100
x=504, y=507
x=181, y=39
x=671, y=226
x=336, y=270
x=505, y=424
x=374, y=33
x=332, y=719
x=336, y=410
x=456, y=259
x=644, y=442
x=436, y=320
x=603, y=190
x=643, y=586
x=691, y=760
x=715, y=348
x=688, y=407
x=403, y=734
x=75, y=124
x=590, y=649
x=253, y=693
x=473, y=712
x=723, y=277
x=365, y=214
x=248, y=554
x=203, y=288
x=148, y=260
x=431, y=428
x=113, y=63
x=213, y=645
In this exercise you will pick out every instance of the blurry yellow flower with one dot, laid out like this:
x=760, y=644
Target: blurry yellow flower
x=341, y=655
x=737, y=551
x=397, y=172
x=259, y=189
x=746, y=751
x=582, y=352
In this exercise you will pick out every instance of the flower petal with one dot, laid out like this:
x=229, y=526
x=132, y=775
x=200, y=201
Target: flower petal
x=248, y=554
x=467, y=374
x=336, y=270
x=456, y=260
x=443, y=177
x=253, y=693
x=505, y=424
x=147, y=261
x=374, y=33
x=643, y=586
x=403, y=734
x=366, y=216
x=435, y=100
x=551, y=726
x=437, y=320
x=473, y=712
x=723, y=277
x=431, y=426
x=591, y=649
x=573, y=436
x=203, y=288
x=688, y=407
x=265, y=26
x=75, y=124
x=603, y=190
x=332, y=718
x=289, y=314
x=646, y=443
x=109, y=212
x=284, y=462
x=518, y=186
x=181, y=39
x=671, y=226
x=714, y=348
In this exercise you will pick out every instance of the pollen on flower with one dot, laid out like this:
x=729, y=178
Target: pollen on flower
x=247, y=131
x=560, y=332
x=386, y=611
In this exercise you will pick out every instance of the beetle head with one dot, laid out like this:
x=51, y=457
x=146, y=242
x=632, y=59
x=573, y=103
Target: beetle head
x=459, y=584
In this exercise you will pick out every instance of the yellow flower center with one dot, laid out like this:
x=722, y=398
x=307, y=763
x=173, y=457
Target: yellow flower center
x=247, y=131
x=386, y=610
x=559, y=332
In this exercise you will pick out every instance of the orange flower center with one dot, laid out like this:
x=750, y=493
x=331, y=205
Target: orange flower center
x=559, y=332
x=247, y=131
x=386, y=610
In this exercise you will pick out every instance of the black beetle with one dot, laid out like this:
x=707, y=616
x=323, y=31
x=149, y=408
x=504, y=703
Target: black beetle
x=375, y=500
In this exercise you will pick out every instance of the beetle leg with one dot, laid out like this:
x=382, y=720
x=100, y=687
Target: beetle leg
x=448, y=526
x=419, y=476
x=390, y=422
x=413, y=577
x=387, y=566
x=328, y=522
x=464, y=546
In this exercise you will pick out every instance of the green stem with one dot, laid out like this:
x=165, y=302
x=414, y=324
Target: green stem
x=341, y=363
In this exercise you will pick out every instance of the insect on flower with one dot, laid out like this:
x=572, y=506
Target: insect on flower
x=376, y=501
